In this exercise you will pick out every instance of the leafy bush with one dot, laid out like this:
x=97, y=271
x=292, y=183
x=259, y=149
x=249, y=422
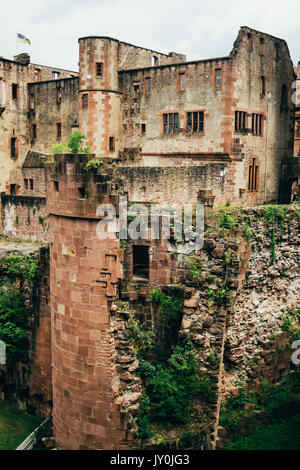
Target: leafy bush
x=169, y=308
x=140, y=336
x=76, y=144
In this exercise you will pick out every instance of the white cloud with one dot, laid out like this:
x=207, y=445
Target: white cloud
x=197, y=28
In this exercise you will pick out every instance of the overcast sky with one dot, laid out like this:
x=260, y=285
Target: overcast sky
x=198, y=28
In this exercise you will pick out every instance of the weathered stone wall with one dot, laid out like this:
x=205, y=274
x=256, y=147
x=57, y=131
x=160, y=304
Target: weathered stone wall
x=24, y=217
x=54, y=101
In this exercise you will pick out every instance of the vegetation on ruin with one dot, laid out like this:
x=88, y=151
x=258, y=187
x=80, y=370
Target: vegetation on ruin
x=271, y=407
x=16, y=270
x=170, y=308
x=289, y=319
x=170, y=386
x=94, y=164
x=76, y=144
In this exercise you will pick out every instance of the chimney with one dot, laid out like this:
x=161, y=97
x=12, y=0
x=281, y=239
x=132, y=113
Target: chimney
x=23, y=58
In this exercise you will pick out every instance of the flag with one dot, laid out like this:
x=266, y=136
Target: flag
x=23, y=39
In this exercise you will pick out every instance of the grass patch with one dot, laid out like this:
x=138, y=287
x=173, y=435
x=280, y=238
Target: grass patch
x=15, y=426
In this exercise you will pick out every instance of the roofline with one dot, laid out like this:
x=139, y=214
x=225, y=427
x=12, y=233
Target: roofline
x=261, y=32
x=38, y=65
x=177, y=64
x=128, y=44
x=53, y=81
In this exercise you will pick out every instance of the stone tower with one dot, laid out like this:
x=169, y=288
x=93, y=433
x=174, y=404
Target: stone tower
x=99, y=95
x=84, y=272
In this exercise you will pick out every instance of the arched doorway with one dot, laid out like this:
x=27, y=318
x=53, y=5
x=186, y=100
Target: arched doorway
x=295, y=192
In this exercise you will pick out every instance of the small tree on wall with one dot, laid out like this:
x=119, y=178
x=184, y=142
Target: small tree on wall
x=76, y=144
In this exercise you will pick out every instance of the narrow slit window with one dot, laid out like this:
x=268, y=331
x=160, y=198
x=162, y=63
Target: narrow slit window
x=218, y=78
x=14, y=91
x=99, y=69
x=12, y=189
x=148, y=86
x=13, y=147
x=26, y=184
x=253, y=176
x=31, y=184
x=58, y=130
x=181, y=82
x=143, y=129
x=112, y=144
x=33, y=132
x=262, y=46
x=85, y=100
x=263, y=85
x=56, y=186
x=141, y=261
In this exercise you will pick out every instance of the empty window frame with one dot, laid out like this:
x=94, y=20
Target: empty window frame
x=99, y=69
x=218, y=78
x=143, y=129
x=85, y=100
x=257, y=124
x=31, y=101
x=14, y=89
x=263, y=85
x=140, y=261
x=13, y=147
x=31, y=184
x=148, y=86
x=240, y=121
x=249, y=42
x=253, y=176
x=55, y=75
x=195, y=121
x=154, y=60
x=170, y=123
x=58, y=130
x=26, y=184
x=181, y=81
x=33, y=131
x=13, y=189
x=111, y=144
x=37, y=75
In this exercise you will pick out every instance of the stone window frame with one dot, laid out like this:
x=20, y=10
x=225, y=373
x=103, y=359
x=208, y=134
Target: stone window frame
x=143, y=129
x=85, y=100
x=260, y=124
x=241, y=130
x=58, y=125
x=179, y=83
x=186, y=121
x=168, y=112
x=33, y=134
x=37, y=74
x=97, y=66
x=253, y=176
x=147, y=90
x=16, y=150
x=112, y=143
x=26, y=184
x=218, y=69
x=14, y=91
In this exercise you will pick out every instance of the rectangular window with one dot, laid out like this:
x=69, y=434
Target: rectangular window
x=111, y=144
x=240, y=121
x=85, y=100
x=195, y=121
x=181, y=82
x=55, y=186
x=33, y=131
x=14, y=91
x=26, y=183
x=170, y=123
x=261, y=46
x=143, y=129
x=99, y=69
x=58, y=130
x=141, y=261
x=13, y=147
x=218, y=78
x=148, y=86
x=298, y=132
x=37, y=75
x=257, y=124
x=31, y=184
x=13, y=189
x=253, y=176
x=263, y=85
x=55, y=75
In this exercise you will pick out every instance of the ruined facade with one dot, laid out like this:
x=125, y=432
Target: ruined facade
x=163, y=131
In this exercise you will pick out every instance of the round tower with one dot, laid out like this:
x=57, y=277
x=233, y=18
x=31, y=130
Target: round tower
x=99, y=95
x=88, y=391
